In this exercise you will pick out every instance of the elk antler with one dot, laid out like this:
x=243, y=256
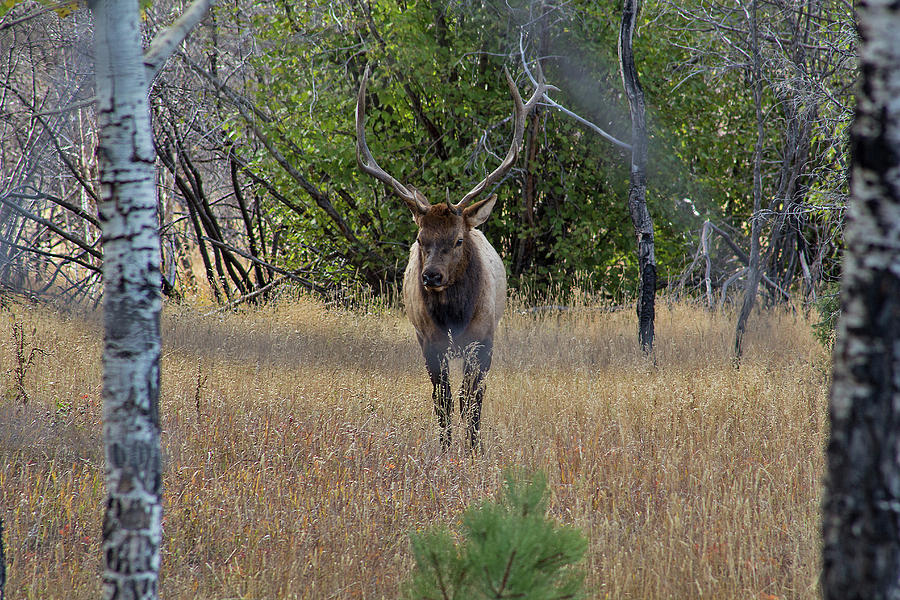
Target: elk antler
x=413, y=198
x=522, y=111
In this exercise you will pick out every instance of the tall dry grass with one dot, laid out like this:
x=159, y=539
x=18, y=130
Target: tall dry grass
x=300, y=449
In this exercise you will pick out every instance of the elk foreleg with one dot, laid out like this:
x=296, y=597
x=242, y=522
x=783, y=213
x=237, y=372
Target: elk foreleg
x=437, y=362
x=477, y=362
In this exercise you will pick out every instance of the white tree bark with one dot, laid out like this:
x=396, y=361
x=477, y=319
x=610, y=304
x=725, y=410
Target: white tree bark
x=132, y=522
x=132, y=300
x=861, y=508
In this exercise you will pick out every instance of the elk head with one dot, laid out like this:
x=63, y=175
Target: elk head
x=444, y=227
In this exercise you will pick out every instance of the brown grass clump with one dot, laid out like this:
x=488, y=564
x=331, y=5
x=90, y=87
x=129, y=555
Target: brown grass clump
x=300, y=449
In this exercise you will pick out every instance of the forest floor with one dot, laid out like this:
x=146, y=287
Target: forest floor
x=301, y=449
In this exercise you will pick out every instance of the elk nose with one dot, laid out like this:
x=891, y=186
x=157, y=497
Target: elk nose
x=432, y=279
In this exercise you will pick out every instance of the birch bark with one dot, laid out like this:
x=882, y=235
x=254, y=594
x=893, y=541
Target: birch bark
x=132, y=293
x=861, y=507
x=132, y=303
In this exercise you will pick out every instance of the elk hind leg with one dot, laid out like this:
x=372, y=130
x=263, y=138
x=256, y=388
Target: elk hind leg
x=477, y=363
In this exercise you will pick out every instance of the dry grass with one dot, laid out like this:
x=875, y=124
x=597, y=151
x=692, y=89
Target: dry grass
x=301, y=449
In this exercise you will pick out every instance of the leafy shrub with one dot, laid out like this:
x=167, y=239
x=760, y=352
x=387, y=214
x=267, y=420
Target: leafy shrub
x=507, y=548
x=828, y=305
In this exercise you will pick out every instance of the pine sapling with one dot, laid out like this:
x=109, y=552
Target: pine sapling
x=505, y=548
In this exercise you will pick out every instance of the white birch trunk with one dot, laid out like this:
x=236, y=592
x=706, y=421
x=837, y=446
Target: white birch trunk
x=861, y=508
x=132, y=302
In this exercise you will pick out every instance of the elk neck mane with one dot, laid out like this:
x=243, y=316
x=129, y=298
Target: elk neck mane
x=452, y=308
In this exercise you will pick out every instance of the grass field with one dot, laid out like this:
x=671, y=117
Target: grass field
x=301, y=449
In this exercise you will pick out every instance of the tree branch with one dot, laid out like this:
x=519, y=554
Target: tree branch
x=77, y=210
x=250, y=296
x=52, y=227
x=599, y=131
x=64, y=257
x=165, y=42
x=292, y=275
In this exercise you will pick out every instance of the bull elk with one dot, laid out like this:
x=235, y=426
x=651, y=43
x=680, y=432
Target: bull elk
x=454, y=286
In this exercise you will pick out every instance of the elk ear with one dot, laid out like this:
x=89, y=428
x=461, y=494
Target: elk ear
x=478, y=213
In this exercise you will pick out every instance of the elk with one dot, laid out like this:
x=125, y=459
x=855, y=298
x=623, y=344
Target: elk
x=454, y=286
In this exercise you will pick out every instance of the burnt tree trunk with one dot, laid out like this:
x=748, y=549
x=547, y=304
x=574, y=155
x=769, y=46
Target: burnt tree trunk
x=637, y=188
x=861, y=507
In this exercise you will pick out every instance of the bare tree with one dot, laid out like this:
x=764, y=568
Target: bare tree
x=131, y=274
x=637, y=188
x=861, y=531
x=49, y=238
x=797, y=62
x=753, y=266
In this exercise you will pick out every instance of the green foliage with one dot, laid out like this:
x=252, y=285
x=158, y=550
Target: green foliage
x=828, y=305
x=507, y=548
x=438, y=120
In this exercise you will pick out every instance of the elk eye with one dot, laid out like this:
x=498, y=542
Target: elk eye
x=459, y=242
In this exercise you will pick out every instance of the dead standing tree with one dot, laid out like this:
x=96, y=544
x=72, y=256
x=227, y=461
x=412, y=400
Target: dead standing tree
x=754, y=272
x=798, y=60
x=637, y=188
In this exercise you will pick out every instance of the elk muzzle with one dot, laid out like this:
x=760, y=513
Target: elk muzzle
x=432, y=279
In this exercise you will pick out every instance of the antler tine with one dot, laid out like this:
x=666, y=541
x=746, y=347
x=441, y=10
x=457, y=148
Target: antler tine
x=412, y=197
x=522, y=110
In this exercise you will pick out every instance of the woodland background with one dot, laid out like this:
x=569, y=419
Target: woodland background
x=253, y=126
x=298, y=445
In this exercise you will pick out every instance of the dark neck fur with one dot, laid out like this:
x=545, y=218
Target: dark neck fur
x=452, y=308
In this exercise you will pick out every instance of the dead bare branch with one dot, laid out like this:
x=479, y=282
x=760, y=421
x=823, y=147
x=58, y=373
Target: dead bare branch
x=546, y=96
